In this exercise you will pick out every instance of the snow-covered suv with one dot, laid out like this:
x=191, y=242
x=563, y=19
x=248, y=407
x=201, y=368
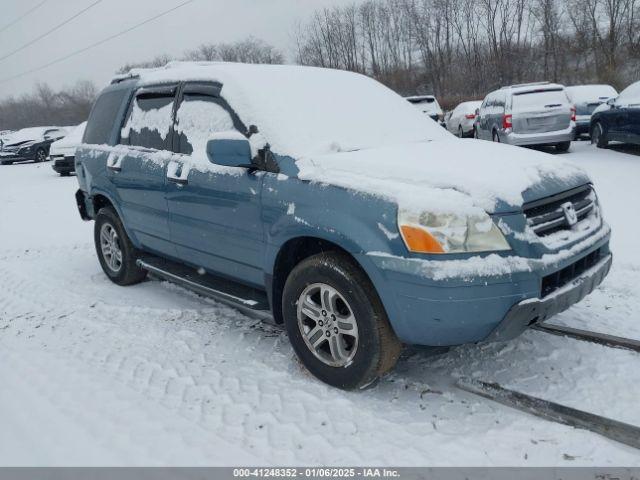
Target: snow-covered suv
x=357, y=222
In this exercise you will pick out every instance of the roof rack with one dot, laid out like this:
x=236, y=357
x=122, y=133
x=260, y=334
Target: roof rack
x=533, y=84
x=123, y=77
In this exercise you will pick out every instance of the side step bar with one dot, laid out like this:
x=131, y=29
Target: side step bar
x=247, y=299
x=555, y=412
x=588, y=336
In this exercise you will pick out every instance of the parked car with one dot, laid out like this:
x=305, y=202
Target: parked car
x=585, y=99
x=63, y=151
x=619, y=120
x=29, y=144
x=428, y=104
x=462, y=119
x=340, y=219
x=528, y=114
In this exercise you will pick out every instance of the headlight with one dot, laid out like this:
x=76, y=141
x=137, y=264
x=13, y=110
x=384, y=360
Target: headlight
x=450, y=233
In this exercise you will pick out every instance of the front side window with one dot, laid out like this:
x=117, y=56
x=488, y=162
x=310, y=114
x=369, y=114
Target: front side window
x=150, y=121
x=198, y=117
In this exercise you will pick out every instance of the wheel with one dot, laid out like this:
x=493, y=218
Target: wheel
x=460, y=132
x=598, y=137
x=336, y=322
x=563, y=147
x=41, y=155
x=115, y=251
x=496, y=137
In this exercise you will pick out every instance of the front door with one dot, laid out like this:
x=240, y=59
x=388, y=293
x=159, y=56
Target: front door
x=138, y=170
x=214, y=211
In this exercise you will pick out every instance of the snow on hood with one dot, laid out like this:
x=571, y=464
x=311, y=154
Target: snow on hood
x=451, y=175
x=307, y=110
x=71, y=141
x=590, y=93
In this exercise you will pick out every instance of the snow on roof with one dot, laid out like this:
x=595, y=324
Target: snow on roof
x=307, y=110
x=73, y=139
x=532, y=87
x=590, y=93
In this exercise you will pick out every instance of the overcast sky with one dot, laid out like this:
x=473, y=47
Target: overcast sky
x=198, y=22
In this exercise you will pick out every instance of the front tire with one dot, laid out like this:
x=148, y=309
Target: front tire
x=336, y=322
x=598, y=136
x=115, y=251
x=41, y=156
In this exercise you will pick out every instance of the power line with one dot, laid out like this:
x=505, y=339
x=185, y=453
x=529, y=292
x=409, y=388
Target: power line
x=27, y=13
x=49, y=32
x=93, y=45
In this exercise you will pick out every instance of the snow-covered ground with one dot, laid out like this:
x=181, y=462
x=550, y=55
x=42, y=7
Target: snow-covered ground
x=96, y=374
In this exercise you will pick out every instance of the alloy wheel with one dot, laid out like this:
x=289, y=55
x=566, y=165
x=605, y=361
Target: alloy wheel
x=110, y=247
x=327, y=324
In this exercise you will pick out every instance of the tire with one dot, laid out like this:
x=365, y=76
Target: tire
x=121, y=269
x=496, y=137
x=41, y=156
x=7, y=163
x=369, y=347
x=598, y=136
x=460, y=132
x=563, y=147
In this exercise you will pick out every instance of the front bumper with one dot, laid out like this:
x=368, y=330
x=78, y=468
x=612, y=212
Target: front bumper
x=63, y=164
x=547, y=138
x=583, y=128
x=15, y=157
x=488, y=303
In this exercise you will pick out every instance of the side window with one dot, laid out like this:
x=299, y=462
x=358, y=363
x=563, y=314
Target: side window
x=150, y=120
x=103, y=117
x=197, y=118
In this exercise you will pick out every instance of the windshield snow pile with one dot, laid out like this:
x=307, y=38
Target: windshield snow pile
x=591, y=93
x=304, y=111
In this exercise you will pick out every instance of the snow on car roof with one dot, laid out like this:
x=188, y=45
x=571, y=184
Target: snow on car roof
x=307, y=110
x=590, y=93
x=31, y=133
x=533, y=87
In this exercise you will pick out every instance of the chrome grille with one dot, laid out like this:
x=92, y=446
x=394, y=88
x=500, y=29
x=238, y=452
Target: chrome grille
x=560, y=212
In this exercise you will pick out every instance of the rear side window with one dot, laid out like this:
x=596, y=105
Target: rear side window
x=149, y=121
x=539, y=99
x=197, y=118
x=103, y=117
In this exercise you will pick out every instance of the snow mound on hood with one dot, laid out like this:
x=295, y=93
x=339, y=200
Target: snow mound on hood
x=446, y=176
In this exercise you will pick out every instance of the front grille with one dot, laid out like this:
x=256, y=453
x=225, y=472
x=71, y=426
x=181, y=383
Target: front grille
x=553, y=214
x=557, y=280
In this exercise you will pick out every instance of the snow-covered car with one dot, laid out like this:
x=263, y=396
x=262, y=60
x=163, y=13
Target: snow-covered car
x=429, y=105
x=63, y=152
x=358, y=223
x=462, y=119
x=29, y=144
x=618, y=119
x=528, y=114
x=586, y=98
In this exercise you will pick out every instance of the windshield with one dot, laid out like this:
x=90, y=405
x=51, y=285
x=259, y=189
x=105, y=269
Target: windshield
x=302, y=111
x=630, y=95
x=539, y=100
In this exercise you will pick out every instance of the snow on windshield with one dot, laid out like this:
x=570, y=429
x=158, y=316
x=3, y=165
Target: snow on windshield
x=590, y=93
x=540, y=99
x=306, y=110
x=630, y=95
x=26, y=134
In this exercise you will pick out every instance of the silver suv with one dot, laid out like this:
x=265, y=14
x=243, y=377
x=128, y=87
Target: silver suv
x=528, y=114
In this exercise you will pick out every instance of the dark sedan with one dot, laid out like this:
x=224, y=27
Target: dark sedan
x=29, y=144
x=619, y=120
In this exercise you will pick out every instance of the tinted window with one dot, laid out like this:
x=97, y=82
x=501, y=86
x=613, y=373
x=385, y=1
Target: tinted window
x=149, y=121
x=103, y=116
x=197, y=118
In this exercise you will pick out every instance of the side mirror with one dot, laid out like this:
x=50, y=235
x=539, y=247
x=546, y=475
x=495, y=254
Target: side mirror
x=229, y=149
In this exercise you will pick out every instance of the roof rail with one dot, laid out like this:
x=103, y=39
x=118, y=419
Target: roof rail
x=123, y=77
x=533, y=84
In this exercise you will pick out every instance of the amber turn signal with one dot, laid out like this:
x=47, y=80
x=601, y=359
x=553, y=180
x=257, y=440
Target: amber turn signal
x=420, y=241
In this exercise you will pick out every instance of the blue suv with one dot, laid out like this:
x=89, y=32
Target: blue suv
x=323, y=200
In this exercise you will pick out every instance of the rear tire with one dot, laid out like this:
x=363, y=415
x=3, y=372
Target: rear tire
x=598, y=136
x=329, y=302
x=41, y=156
x=563, y=147
x=115, y=251
x=460, y=132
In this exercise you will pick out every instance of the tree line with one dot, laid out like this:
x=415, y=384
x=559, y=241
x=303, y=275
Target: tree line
x=455, y=49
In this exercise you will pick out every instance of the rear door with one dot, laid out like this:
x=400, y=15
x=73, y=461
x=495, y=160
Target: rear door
x=138, y=170
x=215, y=211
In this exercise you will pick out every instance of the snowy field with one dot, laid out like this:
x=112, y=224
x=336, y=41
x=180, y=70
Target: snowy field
x=96, y=374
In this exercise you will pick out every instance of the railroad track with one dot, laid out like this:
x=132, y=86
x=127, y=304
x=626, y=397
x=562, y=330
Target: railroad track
x=612, y=429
